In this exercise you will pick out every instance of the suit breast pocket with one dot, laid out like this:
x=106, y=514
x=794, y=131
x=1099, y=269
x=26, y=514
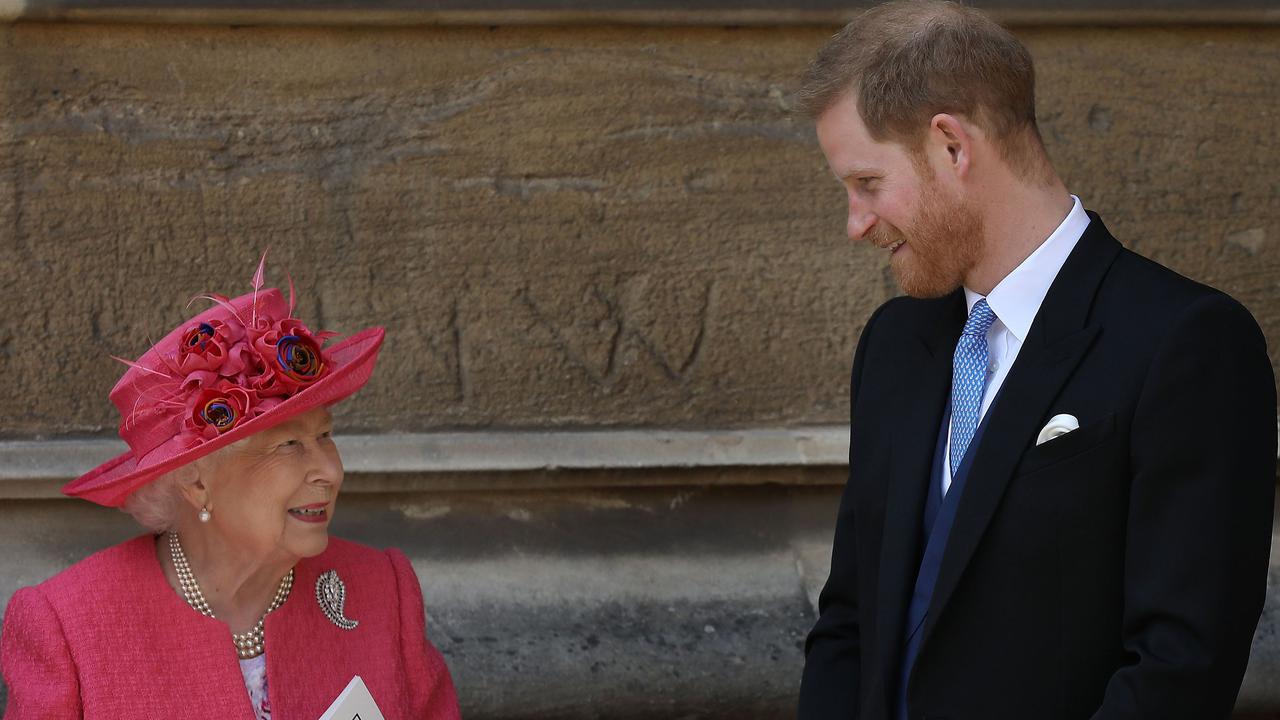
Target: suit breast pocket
x=1067, y=446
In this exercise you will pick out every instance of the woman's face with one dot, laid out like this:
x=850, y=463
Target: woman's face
x=274, y=495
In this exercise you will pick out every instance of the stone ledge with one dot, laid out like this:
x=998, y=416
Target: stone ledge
x=35, y=468
x=509, y=460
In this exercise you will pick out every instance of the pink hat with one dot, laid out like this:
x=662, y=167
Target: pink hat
x=240, y=367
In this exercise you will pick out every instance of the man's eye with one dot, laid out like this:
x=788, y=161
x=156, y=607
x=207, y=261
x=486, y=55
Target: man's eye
x=326, y=435
x=288, y=444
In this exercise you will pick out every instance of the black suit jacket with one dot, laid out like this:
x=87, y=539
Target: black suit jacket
x=1117, y=571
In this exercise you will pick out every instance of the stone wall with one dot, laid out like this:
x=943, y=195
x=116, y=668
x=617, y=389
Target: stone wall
x=559, y=226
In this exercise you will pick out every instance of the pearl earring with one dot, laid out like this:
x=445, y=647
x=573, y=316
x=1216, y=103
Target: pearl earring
x=205, y=514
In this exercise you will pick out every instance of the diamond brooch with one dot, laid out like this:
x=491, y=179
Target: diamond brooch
x=331, y=594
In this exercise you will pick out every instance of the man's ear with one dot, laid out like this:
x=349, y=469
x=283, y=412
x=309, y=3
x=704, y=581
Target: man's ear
x=951, y=142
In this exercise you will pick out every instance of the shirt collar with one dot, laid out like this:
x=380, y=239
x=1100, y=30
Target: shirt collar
x=1017, y=298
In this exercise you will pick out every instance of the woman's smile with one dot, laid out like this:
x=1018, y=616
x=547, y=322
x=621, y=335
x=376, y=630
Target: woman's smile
x=313, y=513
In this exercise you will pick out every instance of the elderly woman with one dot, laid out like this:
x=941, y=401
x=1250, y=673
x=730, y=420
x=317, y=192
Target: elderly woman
x=241, y=605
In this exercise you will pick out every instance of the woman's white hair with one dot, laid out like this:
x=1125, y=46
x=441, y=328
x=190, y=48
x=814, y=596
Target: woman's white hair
x=156, y=505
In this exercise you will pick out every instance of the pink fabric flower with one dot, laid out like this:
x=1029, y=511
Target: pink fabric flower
x=289, y=355
x=231, y=373
x=215, y=410
x=211, y=346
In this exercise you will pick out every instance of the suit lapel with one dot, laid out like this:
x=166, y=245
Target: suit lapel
x=912, y=426
x=1058, y=339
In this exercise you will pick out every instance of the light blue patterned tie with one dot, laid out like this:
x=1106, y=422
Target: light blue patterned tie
x=969, y=379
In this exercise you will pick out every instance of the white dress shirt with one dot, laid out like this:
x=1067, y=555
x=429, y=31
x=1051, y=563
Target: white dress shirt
x=1016, y=301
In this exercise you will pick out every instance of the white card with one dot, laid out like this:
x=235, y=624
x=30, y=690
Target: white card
x=355, y=703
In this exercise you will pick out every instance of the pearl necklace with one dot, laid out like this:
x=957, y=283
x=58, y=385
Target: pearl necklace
x=249, y=644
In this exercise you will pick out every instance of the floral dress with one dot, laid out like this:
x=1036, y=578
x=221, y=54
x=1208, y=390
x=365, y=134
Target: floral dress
x=254, y=671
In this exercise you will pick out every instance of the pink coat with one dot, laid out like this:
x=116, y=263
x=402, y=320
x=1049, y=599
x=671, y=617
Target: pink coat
x=109, y=638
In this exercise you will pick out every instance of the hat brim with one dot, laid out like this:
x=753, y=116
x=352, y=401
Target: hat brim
x=352, y=362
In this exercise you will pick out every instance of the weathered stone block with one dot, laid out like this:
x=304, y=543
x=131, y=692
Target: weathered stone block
x=573, y=226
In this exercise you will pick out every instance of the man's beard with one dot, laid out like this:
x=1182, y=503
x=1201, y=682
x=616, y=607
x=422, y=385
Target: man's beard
x=943, y=244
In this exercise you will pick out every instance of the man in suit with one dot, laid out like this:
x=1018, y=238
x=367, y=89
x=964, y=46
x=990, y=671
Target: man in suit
x=1062, y=458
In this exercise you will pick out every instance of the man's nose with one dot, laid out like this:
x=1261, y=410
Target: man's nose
x=860, y=220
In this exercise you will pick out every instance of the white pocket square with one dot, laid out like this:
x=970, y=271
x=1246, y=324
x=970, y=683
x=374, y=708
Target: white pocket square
x=1057, y=425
